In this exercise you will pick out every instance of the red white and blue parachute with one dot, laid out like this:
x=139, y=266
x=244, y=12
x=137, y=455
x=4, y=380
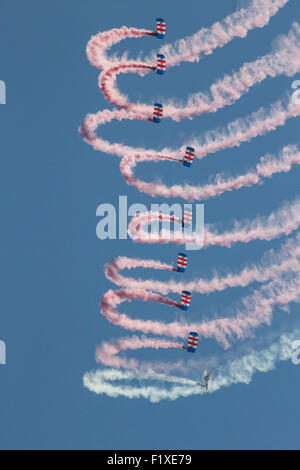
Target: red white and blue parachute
x=192, y=342
x=161, y=64
x=182, y=262
x=187, y=218
x=158, y=112
x=160, y=28
x=189, y=156
x=185, y=299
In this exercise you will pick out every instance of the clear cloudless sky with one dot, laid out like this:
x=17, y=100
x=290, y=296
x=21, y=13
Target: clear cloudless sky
x=52, y=264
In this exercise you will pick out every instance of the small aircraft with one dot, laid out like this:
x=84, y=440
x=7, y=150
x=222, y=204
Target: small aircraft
x=158, y=112
x=161, y=64
x=206, y=379
x=189, y=156
x=185, y=299
x=181, y=262
x=160, y=28
x=192, y=342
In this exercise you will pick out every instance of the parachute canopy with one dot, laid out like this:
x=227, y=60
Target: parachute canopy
x=158, y=112
x=189, y=156
x=187, y=218
x=181, y=262
x=161, y=64
x=160, y=28
x=192, y=342
x=185, y=299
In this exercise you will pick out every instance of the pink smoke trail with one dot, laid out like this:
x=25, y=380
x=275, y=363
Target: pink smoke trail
x=99, y=44
x=107, y=354
x=270, y=65
x=222, y=95
x=236, y=132
x=281, y=222
x=268, y=166
x=236, y=25
x=284, y=60
x=256, y=310
x=273, y=265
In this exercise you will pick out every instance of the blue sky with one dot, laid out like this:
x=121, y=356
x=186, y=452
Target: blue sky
x=52, y=262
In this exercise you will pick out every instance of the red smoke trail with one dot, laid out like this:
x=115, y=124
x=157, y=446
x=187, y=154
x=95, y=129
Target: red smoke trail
x=223, y=92
x=237, y=132
x=281, y=222
x=237, y=25
x=256, y=310
x=272, y=266
x=284, y=60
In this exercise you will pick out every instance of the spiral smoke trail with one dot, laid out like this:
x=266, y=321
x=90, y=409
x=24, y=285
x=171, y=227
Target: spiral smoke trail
x=278, y=288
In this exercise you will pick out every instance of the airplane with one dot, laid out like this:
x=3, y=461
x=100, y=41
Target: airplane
x=206, y=379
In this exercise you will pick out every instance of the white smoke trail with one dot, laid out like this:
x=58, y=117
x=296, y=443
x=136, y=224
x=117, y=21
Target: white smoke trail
x=236, y=371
